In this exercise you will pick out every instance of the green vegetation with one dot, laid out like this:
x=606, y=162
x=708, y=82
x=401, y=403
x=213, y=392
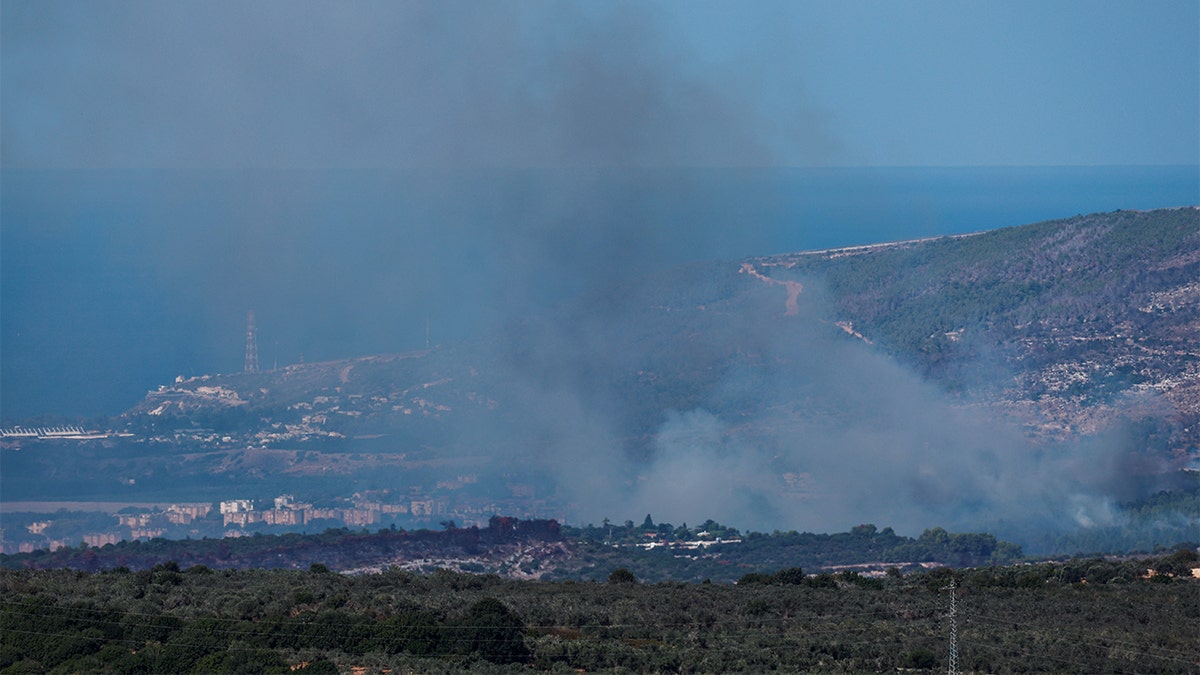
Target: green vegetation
x=1088, y=273
x=1082, y=616
x=727, y=555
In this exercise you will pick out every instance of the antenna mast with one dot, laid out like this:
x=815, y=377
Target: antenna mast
x=251, y=344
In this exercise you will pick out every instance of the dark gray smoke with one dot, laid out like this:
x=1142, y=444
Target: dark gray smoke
x=414, y=84
x=349, y=172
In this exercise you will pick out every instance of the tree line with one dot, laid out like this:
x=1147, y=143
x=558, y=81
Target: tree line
x=1086, y=616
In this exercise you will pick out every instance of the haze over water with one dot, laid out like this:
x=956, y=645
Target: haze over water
x=115, y=281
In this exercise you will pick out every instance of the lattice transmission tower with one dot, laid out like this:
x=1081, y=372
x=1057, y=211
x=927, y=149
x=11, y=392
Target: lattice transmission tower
x=953, y=616
x=251, y=344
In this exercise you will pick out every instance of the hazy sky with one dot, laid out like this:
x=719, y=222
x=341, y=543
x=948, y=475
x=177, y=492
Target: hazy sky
x=168, y=165
x=99, y=84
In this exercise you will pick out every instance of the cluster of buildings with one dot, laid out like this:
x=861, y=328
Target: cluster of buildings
x=702, y=541
x=27, y=532
x=148, y=525
x=289, y=512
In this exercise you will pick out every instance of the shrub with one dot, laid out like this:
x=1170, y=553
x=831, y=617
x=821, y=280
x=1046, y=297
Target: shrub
x=622, y=575
x=493, y=631
x=793, y=576
x=920, y=659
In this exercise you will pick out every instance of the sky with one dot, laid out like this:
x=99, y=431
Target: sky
x=137, y=84
x=352, y=170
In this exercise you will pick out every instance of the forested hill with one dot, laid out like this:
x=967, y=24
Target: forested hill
x=1081, y=311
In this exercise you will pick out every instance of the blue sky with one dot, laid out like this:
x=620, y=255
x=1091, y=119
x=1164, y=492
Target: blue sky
x=101, y=84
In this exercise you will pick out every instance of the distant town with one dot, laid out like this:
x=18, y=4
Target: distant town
x=66, y=432
x=30, y=526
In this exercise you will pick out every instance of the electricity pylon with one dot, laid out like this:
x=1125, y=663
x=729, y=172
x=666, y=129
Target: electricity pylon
x=953, y=628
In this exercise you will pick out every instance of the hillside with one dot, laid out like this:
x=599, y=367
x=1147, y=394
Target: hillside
x=1028, y=374
x=1080, y=313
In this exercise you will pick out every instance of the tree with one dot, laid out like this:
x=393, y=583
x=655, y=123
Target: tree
x=1179, y=563
x=622, y=575
x=934, y=537
x=865, y=530
x=920, y=659
x=791, y=575
x=493, y=631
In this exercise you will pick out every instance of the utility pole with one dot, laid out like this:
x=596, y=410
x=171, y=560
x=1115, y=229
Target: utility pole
x=953, y=628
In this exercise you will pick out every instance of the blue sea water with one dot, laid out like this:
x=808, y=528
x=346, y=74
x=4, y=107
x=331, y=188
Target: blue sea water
x=113, y=282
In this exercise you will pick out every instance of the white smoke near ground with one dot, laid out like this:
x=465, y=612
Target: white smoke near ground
x=1091, y=511
x=698, y=466
x=811, y=429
